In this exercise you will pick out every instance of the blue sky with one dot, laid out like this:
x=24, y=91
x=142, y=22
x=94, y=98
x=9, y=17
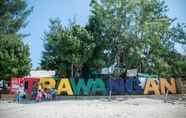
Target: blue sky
x=66, y=10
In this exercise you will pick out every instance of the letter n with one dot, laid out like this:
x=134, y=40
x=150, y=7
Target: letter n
x=171, y=87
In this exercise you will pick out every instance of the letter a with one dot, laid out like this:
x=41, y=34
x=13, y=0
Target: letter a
x=64, y=86
x=151, y=86
x=99, y=86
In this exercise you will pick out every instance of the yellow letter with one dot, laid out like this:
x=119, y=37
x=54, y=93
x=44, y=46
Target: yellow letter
x=151, y=86
x=64, y=86
x=171, y=87
x=47, y=83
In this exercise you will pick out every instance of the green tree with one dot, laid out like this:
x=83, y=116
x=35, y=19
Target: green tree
x=14, y=57
x=66, y=49
x=133, y=34
x=50, y=59
x=139, y=34
x=14, y=54
x=13, y=14
x=115, y=21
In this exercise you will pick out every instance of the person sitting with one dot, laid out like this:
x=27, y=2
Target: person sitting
x=39, y=96
x=53, y=93
x=47, y=94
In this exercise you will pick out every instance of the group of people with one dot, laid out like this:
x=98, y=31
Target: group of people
x=38, y=93
x=43, y=94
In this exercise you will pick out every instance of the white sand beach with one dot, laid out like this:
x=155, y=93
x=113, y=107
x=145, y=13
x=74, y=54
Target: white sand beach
x=131, y=108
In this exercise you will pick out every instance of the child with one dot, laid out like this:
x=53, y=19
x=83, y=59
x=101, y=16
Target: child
x=39, y=96
x=49, y=97
x=46, y=93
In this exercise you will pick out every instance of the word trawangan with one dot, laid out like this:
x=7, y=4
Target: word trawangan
x=87, y=87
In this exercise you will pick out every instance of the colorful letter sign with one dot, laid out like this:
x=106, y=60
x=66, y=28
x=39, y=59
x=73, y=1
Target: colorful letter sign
x=152, y=86
x=81, y=86
x=64, y=87
x=102, y=87
x=99, y=87
x=171, y=87
x=48, y=82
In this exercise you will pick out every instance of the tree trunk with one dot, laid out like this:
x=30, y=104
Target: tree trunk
x=72, y=71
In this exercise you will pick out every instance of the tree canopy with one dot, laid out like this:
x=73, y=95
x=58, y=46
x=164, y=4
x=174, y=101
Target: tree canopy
x=66, y=48
x=14, y=54
x=139, y=34
x=131, y=34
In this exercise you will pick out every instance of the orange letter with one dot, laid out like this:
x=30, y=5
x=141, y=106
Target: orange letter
x=151, y=86
x=64, y=86
x=171, y=87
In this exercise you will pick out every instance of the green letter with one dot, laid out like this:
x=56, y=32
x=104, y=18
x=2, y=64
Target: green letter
x=80, y=86
x=99, y=87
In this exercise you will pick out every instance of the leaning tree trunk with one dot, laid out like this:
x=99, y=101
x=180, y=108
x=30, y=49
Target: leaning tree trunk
x=72, y=71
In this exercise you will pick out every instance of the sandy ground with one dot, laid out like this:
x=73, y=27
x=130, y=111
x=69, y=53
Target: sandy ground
x=131, y=108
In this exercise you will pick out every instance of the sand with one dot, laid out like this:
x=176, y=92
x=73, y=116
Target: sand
x=130, y=108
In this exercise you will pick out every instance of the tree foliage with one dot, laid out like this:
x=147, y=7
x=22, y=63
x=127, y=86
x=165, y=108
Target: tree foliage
x=14, y=54
x=129, y=33
x=14, y=57
x=68, y=47
x=13, y=14
x=139, y=34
